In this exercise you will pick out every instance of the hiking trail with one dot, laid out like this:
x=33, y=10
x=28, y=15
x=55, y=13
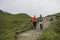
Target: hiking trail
x=32, y=34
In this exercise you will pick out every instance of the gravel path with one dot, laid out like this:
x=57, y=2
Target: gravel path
x=32, y=34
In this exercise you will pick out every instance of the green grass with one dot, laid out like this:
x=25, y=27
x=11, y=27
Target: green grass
x=10, y=24
x=53, y=31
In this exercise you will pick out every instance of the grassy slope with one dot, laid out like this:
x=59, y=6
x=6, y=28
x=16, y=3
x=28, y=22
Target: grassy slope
x=9, y=24
x=53, y=31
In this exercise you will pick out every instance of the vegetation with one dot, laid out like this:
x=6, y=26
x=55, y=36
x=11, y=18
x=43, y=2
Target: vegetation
x=51, y=19
x=10, y=25
x=53, y=31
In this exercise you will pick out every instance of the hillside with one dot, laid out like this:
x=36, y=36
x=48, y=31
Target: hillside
x=53, y=31
x=11, y=24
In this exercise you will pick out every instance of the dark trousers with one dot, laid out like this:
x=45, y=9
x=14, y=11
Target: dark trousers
x=34, y=25
x=41, y=26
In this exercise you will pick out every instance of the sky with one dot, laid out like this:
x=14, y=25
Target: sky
x=31, y=7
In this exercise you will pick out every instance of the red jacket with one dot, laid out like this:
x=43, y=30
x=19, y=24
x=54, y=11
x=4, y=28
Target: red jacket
x=34, y=19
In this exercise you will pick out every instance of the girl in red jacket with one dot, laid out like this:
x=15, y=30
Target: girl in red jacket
x=34, y=21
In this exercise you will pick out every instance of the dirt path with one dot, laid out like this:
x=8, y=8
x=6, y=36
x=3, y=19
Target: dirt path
x=32, y=34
